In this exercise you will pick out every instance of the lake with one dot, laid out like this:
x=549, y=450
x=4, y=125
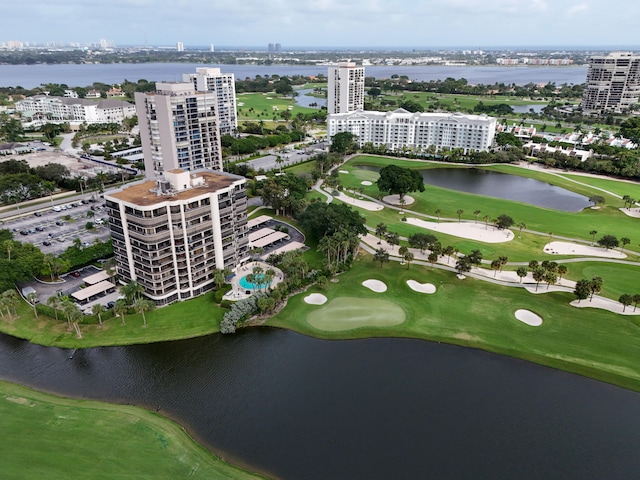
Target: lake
x=299, y=407
x=502, y=185
x=30, y=76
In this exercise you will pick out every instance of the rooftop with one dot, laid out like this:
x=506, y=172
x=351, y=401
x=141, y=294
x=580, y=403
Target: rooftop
x=145, y=193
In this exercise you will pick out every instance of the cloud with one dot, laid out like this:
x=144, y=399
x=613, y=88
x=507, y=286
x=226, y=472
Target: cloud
x=578, y=8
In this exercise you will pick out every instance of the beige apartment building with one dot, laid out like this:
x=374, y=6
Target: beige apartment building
x=179, y=129
x=171, y=233
x=613, y=83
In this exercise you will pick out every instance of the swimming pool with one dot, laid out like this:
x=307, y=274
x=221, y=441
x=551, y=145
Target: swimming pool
x=244, y=283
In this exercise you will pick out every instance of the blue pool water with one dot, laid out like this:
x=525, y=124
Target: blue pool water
x=244, y=283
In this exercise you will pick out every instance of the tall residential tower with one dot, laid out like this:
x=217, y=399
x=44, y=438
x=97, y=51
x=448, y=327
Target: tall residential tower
x=179, y=128
x=613, y=83
x=346, y=88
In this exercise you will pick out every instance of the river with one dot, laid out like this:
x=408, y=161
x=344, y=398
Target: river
x=30, y=76
x=303, y=408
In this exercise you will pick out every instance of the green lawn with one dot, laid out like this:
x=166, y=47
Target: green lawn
x=621, y=188
x=46, y=436
x=263, y=107
x=474, y=313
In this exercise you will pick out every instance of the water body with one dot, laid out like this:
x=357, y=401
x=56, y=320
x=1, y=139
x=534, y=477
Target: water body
x=30, y=76
x=304, y=100
x=503, y=185
x=299, y=407
x=537, y=108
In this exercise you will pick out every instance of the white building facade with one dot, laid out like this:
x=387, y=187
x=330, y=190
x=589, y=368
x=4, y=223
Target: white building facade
x=179, y=129
x=224, y=85
x=613, y=83
x=399, y=129
x=170, y=234
x=69, y=109
x=345, y=91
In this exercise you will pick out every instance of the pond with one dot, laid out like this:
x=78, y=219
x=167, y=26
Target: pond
x=304, y=100
x=536, y=107
x=297, y=407
x=503, y=185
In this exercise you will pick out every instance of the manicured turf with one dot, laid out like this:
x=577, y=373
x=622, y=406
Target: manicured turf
x=479, y=314
x=50, y=437
x=620, y=188
x=348, y=313
x=263, y=107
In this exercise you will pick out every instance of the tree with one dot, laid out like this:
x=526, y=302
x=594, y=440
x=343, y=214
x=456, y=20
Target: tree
x=636, y=300
x=343, y=143
x=582, y=289
x=459, y=212
x=475, y=257
x=438, y=212
x=624, y=241
x=448, y=251
x=463, y=265
x=562, y=271
x=538, y=275
x=608, y=241
x=399, y=181
x=98, y=309
x=593, y=234
x=626, y=300
x=393, y=239
x=595, y=285
x=432, y=258
x=132, y=291
x=381, y=230
x=596, y=200
x=120, y=308
x=54, y=302
x=381, y=255
x=495, y=265
x=421, y=241
x=504, y=221
x=551, y=278
x=476, y=213
x=521, y=226
x=32, y=298
x=521, y=272
x=408, y=257
x=503, y=261
x=142, y=305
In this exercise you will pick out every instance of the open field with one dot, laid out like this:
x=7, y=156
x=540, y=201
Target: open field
x=266, y=107
x=46, y=436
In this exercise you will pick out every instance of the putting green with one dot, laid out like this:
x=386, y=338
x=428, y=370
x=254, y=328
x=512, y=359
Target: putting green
x=347, y=313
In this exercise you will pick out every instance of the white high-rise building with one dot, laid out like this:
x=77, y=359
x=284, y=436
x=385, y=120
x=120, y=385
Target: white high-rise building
x=180, y=47
x=223, y=84
x=613, y=83
x=178, y=128
x=400, y=128
x=346, y=88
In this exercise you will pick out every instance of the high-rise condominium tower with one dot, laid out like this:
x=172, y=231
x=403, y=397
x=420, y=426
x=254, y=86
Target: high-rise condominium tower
x=224, y=85
x=346, y=88
x=179, y=128
x=613, y=83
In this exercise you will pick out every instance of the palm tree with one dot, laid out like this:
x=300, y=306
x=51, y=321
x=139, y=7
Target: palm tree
x=562, y=271
x=9, y=301
x=626, y=300
x=438, y=212
x=402, y=250
x=495, y=265
x=402, y=204
x=521, y=226
x=54, y=302
x=448, y=251
x=636, y=301
x=432, y=258
x=121, y=307
x=521, y=272
x=393, y=239
x=408, y=257
x=142, y=305
x=459, y=212
x=381, y=255
x=132, y=291
x=595, y=285
x=593, y=234
x=98, y=309
x=624, y=241
x=550, y=277
x=8, y=244
x=476, y=213
x=538, y=275
x=381, y=231
x=486, y=221
x=503, y=261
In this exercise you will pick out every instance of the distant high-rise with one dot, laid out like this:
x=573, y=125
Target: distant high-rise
x=613, y=83
x=224, y=85
x=346, y=88
x=271, y=48
x=278, y=47
x=180, y=47
x=178, y=128
x=212, y=48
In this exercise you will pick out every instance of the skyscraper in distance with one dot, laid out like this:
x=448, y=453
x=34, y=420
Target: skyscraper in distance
x=345, y=88
x=613, y=83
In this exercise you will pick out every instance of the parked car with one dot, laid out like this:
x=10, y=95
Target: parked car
x=111, y=304
x=46, y=243
x=24, y=232
x=59, y=223
x=32, y=230
x=37, y=214
x=39, y=229
x=75, y=274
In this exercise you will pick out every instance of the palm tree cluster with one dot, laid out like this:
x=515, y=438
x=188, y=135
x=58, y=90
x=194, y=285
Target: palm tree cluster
x=8, y=302
x=133, y=299
x=627, y=299
x=586, y=288
x=547, y=271
x=70, y=311
x=339, y=247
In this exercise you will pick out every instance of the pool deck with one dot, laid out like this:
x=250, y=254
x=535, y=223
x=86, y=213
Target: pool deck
x=239, y=293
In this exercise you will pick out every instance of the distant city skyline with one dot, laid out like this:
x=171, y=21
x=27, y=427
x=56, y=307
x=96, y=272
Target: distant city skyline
x=326, y=23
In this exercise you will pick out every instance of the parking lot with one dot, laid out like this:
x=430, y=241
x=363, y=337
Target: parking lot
x=53, y=232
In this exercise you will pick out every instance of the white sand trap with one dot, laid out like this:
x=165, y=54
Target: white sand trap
x=395, y=200
x=631, y=212
x=528, y=317
x=472, y=231
x=364, y=204
x=606, y=304
x=460, y=276
x=315, y=299
x=375, y=285
x=567, y=248
x=366, y=183
x=421, y=287
x=346, y=172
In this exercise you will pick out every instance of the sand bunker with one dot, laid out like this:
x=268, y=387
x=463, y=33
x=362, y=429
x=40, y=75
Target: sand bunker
x=472, y=231
x=364, y=204
x=421, y=287
x=606, y=304
x=566, y=248
x=366, y=183
x=631, y=212
x=375, y=285
x=346, y=172
x=528, y=317
x=315, y=299
x=395, y=200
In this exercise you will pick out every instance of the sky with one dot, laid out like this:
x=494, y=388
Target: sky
x=326, y=23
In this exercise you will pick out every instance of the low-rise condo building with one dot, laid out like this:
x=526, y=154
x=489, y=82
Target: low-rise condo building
x=171, y=233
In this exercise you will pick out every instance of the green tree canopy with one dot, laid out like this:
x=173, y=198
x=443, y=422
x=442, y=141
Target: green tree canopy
x=344, y=143
x=321, y=219
x=399, y=181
